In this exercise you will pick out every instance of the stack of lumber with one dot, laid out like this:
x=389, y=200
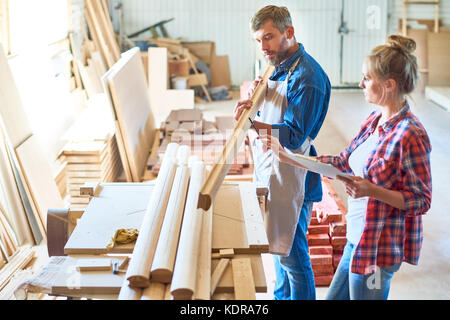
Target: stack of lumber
x=90, y=161
x=205, y=138
x=93, y=56
x=101, y=30
x=91, y=153
x=326, y=239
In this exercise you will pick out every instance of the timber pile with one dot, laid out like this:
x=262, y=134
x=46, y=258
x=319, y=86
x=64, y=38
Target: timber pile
x=326, y=239
x=93, y=56
x=91, y=153
x=90, y=161
x=205, y=138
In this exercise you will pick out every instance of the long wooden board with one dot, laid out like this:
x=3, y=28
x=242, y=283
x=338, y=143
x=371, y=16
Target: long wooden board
x=38, y=176
x=229, y=152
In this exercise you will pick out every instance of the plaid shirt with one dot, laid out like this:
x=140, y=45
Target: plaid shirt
x=400, y=162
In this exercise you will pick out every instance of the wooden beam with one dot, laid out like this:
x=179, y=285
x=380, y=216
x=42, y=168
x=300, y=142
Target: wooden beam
x=186, y=265
x=203, y=286
x=244, y=285
x=164, y=260
x=229, y=152
x=138, y=273
x=155, y=291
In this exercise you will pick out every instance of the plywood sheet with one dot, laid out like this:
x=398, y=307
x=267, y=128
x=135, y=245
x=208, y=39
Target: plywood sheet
x=116, y=207
x=38, y=176
x=131, y=103
x=11, y=108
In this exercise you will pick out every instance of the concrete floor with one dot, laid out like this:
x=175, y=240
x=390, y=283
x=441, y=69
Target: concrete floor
x=430, y=279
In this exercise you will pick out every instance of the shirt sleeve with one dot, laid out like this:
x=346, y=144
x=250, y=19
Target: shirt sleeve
x=416, y=176
x=306, y=108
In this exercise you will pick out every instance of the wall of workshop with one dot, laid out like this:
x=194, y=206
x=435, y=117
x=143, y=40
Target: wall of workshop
x=227, y=23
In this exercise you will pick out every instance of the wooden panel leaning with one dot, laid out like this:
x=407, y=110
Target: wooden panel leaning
x=138, y=273
x=222, y=165
x=164, y=260
x=126, y=88
x=186, y=264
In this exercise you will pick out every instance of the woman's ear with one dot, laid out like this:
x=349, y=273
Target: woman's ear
x=391, y=84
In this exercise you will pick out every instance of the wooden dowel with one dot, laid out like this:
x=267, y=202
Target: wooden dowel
x=185, y=271
x=164, y=260
x=155, y=291
x=138, y=272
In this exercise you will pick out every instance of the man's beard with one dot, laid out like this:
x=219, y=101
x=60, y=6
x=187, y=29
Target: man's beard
x=279, y=57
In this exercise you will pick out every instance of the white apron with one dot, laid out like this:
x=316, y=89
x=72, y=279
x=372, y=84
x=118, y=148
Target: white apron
x=285, y=182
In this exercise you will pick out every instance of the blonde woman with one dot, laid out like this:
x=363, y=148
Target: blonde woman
x=390, y=186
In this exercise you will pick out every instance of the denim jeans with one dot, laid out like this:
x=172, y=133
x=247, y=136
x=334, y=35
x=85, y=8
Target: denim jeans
x=347, y=285
x=294, y=274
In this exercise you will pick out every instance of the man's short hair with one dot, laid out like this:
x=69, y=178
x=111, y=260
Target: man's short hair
x=279, y=15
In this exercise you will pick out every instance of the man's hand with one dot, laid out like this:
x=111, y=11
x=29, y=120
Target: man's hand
x=246, y=103
x=272, y=143
x=240, y=107
x=357, y=187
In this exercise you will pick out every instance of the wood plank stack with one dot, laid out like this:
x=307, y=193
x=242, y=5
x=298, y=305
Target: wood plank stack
x=90, y=161
x=91, y=153
x=326, y=239
x=205, y=138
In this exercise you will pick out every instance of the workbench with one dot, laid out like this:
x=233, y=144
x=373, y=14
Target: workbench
x=236, y=224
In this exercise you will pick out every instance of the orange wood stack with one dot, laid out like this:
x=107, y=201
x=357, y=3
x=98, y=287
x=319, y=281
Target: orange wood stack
x=326, y=239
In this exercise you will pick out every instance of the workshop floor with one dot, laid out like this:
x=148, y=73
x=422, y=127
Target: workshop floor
x=347, y=110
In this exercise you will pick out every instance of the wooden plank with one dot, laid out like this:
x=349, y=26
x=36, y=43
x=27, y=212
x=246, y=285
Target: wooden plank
x=217, y=274
x=164, y=260
x=103, y=45
x=131, y=106
x=38, y=176
x=106, y=28
x=254, y=224
x=12, y=112
x=226, y=159
x=244, y=285
x=203, y=286
x=186, y=265
x=163, y=100
x=116, y=207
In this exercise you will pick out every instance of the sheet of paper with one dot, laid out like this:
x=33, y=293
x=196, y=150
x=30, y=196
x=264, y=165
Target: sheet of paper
x=316, y=166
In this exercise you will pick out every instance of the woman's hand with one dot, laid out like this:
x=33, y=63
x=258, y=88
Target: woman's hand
x=357, y=187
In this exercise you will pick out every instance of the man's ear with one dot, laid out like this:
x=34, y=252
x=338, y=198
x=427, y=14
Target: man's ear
x=289, y=32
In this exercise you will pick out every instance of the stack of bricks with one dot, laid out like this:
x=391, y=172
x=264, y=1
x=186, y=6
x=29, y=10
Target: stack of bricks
x=326, y=239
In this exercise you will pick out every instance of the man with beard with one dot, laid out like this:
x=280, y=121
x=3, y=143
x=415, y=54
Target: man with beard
x=294, y=108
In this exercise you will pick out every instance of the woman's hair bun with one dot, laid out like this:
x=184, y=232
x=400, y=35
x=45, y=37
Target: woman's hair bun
x=404, y=43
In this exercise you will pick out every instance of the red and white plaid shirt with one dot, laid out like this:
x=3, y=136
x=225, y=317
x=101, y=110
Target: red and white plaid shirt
x=401, y=162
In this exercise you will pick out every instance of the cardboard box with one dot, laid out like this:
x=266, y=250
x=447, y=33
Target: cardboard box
x=204, y=50
x=220, y=71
